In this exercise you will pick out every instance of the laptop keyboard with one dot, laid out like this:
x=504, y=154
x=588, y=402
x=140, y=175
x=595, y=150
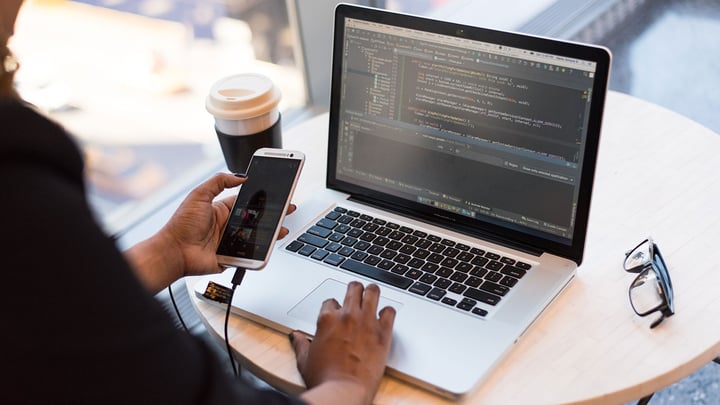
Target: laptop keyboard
x=436, y=268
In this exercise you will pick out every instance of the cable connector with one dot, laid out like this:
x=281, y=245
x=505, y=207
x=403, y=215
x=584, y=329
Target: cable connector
x=217, y=292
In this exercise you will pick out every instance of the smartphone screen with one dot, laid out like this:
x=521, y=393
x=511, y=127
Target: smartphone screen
x=251, y=227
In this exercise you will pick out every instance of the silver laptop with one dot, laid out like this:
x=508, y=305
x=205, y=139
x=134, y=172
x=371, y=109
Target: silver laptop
x=459, y=176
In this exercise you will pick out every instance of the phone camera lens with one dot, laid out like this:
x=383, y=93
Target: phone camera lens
x=292, y=154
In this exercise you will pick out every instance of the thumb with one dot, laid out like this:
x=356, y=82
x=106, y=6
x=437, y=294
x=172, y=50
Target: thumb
x=301, y=345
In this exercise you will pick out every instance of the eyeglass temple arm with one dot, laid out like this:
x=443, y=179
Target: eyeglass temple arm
x=717, y=360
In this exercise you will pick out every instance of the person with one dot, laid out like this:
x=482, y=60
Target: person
x=81, y=323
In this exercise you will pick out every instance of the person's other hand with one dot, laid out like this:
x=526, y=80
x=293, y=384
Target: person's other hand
x=351, y=343
x=196, y=227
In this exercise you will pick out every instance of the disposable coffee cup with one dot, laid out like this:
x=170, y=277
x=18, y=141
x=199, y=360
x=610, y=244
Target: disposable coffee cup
x=247, y=118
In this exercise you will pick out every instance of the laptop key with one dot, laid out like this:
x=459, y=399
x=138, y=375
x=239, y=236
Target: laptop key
x=342, y=228
x=473, y=281
x=494, y=265
x=320, y=254
x=457, y=288
x=372, y=260
x=423, y=243
x=376, y=274
x=523, y=265
x=401, y=258
x=465, y=256
x=334, y=259
x=319, y=231
x=312, y=240
x=442, y=283
x=436, y=294
x=428, y=278
x=464, y=267
x=333, y=215
x=375, y=250
x=349, y=241
x=421, y=254
x=294, y=246
x=346, y=251
x=466, y=304
x=327, y=223
x=448, y=242
x=396, y=235
x=444, y=272
x=478, y=272
x=482, y=296
x=362, y=245
x=507, y=260
x=386, y=264
x=509, y=281
x=435, y=258
x=400, y=269
x=371, y=227
x=307, y=250
x=479, y=311
x=420, y=288
x=414, y=274
x=513, y=271
x=333, y=247
x=384, y=231
x=416, y=263
x=494, y=288
x=449, y=301
x=355, y=232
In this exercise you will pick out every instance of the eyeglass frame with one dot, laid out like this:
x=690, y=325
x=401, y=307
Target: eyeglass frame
x=667, y=307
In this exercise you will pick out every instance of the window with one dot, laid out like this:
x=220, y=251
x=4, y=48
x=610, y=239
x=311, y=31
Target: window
x=128, y=79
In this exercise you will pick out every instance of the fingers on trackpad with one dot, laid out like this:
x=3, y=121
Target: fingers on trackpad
x=309, y=307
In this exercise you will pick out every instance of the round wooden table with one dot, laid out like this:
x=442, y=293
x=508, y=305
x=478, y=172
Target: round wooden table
x=658, y=175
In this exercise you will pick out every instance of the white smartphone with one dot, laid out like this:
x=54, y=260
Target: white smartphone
x=256, y=217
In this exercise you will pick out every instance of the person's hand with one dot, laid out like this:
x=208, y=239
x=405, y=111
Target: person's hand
x=349, y=350
x=196, y=227
x=187, y=244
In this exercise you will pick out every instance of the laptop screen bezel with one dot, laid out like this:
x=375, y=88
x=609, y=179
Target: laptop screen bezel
x=495, y=233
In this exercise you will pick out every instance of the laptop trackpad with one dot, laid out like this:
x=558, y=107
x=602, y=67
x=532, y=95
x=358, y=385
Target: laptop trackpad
x=309, y=307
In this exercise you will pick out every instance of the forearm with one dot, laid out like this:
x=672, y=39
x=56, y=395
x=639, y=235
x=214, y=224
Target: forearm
x=337, y=392
x=156, y=262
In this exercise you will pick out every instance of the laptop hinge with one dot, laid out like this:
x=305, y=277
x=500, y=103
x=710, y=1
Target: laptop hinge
x=451, y=226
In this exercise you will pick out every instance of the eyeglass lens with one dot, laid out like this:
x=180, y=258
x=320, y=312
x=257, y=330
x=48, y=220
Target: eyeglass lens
x=638, y=257
x=646, y=295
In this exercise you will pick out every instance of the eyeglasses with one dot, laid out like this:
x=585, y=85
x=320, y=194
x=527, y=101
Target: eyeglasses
x=652, y=289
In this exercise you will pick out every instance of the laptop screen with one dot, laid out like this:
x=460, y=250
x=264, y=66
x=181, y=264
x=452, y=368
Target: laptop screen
x=484, y=129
